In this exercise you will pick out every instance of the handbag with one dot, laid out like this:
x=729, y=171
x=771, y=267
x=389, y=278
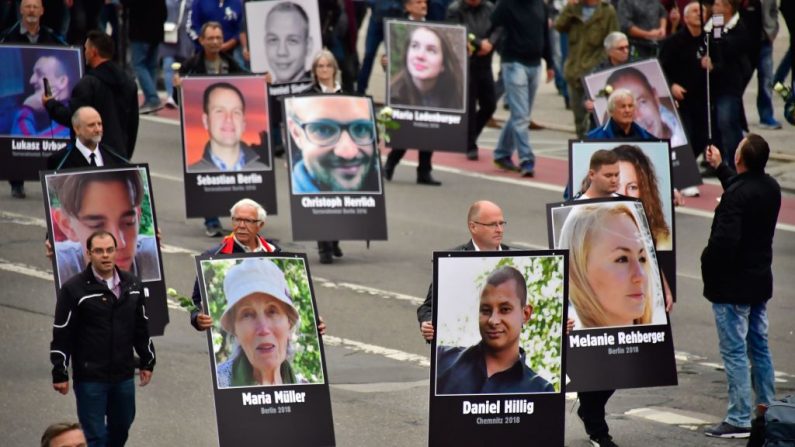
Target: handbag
x=171, y=29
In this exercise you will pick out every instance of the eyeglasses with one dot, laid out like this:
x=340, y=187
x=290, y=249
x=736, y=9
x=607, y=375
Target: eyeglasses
x=326, y=132
x=492, y=225
x=240, y=220
x=101, y=251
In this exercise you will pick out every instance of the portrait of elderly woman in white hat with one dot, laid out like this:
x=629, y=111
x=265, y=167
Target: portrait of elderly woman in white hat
x=261, y=317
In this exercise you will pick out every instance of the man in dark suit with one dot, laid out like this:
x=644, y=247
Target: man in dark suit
x=86, y=150
x=486, y=226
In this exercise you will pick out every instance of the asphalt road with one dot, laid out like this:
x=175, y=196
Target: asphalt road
x=377, y=361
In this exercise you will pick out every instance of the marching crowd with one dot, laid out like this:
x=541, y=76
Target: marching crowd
x=556, y=40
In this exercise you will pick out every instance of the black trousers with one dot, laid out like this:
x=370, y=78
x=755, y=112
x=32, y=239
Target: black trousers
x=395, y=155
x=592, y=412
x=482, y=102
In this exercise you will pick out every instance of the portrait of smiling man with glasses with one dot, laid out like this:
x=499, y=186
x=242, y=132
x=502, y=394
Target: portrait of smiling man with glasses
x=332, y=144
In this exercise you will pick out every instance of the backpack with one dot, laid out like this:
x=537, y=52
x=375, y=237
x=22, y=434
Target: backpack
x=780, y=423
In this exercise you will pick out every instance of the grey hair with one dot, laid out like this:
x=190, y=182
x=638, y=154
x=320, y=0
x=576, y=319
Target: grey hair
x=261, y=213
x=692, y=4
x=615, y=96
x=612, y=38
x=324, y=53
x=76, y=115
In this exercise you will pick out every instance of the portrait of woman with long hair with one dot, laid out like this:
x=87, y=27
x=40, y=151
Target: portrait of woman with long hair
x=431, y=73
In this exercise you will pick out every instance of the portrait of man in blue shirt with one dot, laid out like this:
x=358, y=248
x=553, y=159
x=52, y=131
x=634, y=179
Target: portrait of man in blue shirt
x=496, y=365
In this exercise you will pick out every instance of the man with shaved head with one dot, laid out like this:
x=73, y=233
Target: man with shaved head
x=486, y=225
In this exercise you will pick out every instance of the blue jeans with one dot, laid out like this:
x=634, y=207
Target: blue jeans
x=729, y=110
x=521, y=83
x=168, y=75
x=764, y=74
x=95, y=401
x=375, y=35
x=784, y=67
x=144, y=62
x=742, y=336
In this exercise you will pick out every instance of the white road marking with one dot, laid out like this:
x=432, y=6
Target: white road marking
x=394, y=354
x=27, y=270
x=380, y=387
x=173, y=178
x=369, y=290
x=671, y=416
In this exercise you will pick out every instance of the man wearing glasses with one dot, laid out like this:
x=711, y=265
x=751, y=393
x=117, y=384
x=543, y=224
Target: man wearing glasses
x=332, y=145
x=486, y=226
x=99, y=321
x=248, y=219
x=224, y=118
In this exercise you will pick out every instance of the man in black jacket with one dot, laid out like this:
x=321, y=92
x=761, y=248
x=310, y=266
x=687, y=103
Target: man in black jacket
x=736, y=267
x=99, y=320
x=486, y=226
x=476, y=15
x=109, y=90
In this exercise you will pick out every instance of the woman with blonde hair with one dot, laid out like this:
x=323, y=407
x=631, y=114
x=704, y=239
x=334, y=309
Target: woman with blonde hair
x=609, y=271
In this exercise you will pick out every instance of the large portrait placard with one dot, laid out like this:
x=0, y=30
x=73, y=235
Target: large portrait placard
x=336, y=188
x=427, y=78
x=226, y=144
x=655, y=110
x=283, y=37
x=615, y=294
x=79, y=202
x=266, y=356
x=27, y=133
x=645, y=174
x=497, y=360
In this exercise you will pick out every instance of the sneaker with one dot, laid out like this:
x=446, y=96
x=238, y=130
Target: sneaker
x=727, y=430
x=603, y=441
x=691, y=191
x=771, y=124
x=506, y=164
x=149, y=108
x=170, y=103
x=472, y=155
x=527, y=170
x=213, y=230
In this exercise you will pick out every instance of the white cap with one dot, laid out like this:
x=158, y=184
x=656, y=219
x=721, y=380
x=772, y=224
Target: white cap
x=253, y=276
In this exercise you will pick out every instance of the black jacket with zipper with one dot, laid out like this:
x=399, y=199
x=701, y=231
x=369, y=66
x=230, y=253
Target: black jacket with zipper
x=97, y=332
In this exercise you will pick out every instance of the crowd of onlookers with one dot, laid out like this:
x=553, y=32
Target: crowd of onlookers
x=574, y=37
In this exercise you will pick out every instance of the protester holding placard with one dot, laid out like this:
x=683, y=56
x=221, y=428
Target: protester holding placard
x=30, y=30
x=248, y=219
x=486, y=225
x=324, y=75
x=426, y=59
x=209, y=60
